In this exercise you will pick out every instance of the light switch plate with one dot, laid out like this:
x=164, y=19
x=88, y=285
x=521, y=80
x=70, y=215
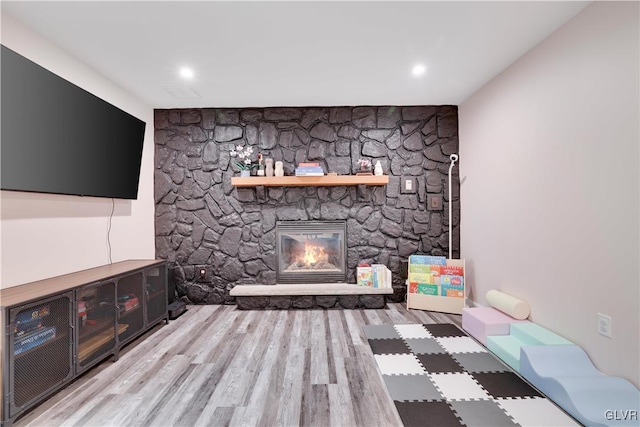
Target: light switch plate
x=408, y=185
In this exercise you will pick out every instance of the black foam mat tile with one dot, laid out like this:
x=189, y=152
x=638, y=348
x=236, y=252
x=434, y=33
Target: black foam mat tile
x=444, y=330
x=388, y=346
x=505, y=385
x=438, y=363
x=420, y=414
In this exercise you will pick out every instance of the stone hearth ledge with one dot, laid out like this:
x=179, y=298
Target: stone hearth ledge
x=306, y=289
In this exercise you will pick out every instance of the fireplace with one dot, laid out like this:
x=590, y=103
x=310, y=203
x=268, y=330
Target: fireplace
x=311, y=252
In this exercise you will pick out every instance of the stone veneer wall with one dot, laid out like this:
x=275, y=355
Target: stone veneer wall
x=203, y=221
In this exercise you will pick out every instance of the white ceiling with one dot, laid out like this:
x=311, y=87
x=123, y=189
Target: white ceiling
x=257, y=54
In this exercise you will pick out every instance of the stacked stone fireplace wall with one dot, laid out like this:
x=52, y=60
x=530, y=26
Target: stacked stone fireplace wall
x=202, y=221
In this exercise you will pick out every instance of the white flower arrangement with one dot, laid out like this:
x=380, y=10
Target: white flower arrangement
x=243, y=153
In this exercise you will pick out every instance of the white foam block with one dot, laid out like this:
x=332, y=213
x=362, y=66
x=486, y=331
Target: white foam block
x=507, y=304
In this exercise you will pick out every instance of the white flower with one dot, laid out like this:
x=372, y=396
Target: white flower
x=243, y=153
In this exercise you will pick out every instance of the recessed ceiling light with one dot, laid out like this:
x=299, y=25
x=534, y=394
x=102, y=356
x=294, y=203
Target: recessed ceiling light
x=418, y=69
x=186, y=73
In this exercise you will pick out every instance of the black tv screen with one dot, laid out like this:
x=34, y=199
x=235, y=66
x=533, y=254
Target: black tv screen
x=59, y=138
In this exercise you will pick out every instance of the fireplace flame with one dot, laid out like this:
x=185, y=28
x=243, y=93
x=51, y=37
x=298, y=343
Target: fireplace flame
x=313, y=254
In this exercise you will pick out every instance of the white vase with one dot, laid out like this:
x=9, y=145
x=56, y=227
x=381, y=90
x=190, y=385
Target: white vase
x=245, y=173
x=377, y=170
x=279, y=171
x=268, y=166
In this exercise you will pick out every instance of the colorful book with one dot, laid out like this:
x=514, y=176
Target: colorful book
x=452, y=280
x=436, y=270
x=426, y=289
x=376, y=269
x=420, y=273
x=427, y=259
x=26, y=327
x=130, y=304
x=452, y=291
x=33, y=339
x=451, y=270
x=309, y=171
x=33, y=314
x=29, y=320
x=364, y=276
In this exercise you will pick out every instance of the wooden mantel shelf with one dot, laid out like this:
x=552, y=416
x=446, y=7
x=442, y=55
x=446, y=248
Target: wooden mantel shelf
x=309, y=181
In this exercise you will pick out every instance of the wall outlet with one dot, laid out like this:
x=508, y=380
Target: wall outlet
x=202, y=274
x=434, y=202
x=604, y=325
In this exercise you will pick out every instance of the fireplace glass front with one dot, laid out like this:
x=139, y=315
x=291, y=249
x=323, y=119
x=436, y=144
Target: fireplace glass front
x=311, y=252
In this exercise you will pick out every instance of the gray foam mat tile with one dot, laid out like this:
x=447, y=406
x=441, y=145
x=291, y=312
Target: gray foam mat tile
x=480, y=362
x=411, y=388
x=424, y=346
x=481, y=413
x=380, y=331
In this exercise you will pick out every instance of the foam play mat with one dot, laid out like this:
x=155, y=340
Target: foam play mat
x=437, y=375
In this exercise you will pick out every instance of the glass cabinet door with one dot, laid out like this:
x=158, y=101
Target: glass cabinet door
x=38, y=332
x=96, y=312
x=129, y=301
x=156, y=292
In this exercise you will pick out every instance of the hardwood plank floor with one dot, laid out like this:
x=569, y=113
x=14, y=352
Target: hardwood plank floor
x=219, y=366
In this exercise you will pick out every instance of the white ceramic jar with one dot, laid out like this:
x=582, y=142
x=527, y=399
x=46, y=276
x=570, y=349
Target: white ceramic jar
x=378, y=169
x=268, y=166
x=279, y=171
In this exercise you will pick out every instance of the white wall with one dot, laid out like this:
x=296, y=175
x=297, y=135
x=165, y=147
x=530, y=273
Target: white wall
x=47, y=235
x=549, y=158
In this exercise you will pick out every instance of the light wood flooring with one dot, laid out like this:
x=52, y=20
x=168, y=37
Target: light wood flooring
x=219, y=366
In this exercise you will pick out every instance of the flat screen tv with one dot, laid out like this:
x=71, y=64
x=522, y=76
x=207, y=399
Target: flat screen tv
x=59, y=138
